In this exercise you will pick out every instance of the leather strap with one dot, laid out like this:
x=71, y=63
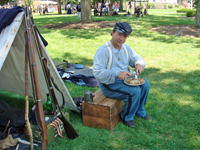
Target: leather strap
x=110, y=53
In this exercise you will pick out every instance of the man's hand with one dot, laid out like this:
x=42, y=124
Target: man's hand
x=123, y=74
x=138, y=69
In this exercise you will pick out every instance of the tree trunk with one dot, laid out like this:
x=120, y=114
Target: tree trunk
x=59, y=7
x=197, y=18
x=111, y=5
x=86, y=11
x=121, y=6
x=135, y=7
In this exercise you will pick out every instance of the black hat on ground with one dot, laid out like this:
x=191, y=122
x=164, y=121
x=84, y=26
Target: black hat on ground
x=123, y=28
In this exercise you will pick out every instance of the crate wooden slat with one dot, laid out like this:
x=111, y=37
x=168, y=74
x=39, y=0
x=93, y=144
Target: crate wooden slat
x=103, y=112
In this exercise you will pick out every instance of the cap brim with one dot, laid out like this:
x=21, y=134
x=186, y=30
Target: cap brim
x=122, y=32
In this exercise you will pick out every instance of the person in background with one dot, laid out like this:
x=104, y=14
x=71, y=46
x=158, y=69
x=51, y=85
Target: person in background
x=115, y=6
x=65, y=7
x=73, y=8
x=43, y=10
x=40, y=9
x=107, y=8
x=130, y=6
x=69, y=11
x=96, y=9
x=78, y=7
x=111, y=76
x=46, y=9
x=99, y=6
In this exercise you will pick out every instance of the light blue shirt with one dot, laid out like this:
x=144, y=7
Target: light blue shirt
x=120, y=62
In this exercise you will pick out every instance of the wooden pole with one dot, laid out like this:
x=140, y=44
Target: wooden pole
x=26, y=97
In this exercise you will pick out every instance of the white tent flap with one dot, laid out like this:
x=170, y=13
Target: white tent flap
x=7, y=37
x=12, y=64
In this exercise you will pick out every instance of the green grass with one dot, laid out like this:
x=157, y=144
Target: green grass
x=173, y=65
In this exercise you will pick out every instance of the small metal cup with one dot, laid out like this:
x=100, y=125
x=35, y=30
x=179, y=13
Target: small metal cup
x=88, y=96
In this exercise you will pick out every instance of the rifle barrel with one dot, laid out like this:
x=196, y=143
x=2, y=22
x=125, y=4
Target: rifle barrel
x=70, y=131
x=39, y=106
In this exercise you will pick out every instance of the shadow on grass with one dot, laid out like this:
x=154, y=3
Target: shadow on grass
x=52, y=19
x=171, y=83
x=80, y=59
x=173, y=104
x=140, y=27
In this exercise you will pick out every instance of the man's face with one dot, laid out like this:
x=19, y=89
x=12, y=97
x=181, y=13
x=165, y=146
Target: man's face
x=118, y=39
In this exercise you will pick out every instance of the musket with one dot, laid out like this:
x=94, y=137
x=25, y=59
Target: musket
x=38, y=99
x=70, y=131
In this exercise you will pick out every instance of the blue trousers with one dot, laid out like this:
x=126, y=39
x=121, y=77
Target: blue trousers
x=135, y=97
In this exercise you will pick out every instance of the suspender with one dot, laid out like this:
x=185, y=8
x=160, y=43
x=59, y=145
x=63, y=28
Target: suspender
x=110, y=53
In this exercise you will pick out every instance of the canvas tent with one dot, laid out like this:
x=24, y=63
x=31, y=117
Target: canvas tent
x=12, y=64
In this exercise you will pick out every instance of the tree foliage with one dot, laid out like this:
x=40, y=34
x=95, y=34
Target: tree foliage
x=2, y=2
x=28, y=2
x=195, y=3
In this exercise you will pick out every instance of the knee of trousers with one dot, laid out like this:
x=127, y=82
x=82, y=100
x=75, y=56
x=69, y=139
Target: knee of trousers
x=133, y=96
x=146, y=85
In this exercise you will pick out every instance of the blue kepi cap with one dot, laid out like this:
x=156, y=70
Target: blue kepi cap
x=123, y=28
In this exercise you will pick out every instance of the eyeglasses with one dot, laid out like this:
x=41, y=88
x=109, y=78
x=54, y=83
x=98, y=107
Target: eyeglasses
x=122, y=30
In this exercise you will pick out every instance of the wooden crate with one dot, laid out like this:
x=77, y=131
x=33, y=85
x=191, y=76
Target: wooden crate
x=103, y=112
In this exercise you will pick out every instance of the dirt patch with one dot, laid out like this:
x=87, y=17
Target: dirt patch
x=80, y=25
x=178, y=30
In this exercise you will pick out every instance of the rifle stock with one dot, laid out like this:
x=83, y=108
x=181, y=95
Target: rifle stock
x=70, y=131
x=38, y=99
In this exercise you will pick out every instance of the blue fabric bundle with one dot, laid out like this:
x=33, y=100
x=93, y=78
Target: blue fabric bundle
x=8, y=15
